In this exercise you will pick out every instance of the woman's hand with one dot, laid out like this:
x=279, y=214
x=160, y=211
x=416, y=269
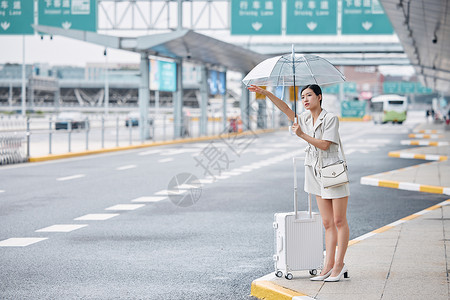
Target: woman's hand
x=297, y=129
x=257, y=89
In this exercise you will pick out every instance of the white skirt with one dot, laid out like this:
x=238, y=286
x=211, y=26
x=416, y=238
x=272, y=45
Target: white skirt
x=313, y=185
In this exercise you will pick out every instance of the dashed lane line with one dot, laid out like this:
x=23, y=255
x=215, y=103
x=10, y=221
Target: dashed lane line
x=96, y=217
x=148, y=199
x=165, y=160
x=62, y=228
x=126, y=167
x=20, y=242
x=71, y=177
x=125, y=207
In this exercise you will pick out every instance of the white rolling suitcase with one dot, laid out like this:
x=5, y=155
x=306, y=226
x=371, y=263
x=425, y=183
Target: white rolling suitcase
x=298, y=239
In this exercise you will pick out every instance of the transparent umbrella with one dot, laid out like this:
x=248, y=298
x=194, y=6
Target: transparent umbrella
x=292, y=69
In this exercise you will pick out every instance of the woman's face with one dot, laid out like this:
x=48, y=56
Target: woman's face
x=310, y=100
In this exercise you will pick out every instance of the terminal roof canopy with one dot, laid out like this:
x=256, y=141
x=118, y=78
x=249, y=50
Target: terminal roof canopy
x=183, y=44
x=423, y=27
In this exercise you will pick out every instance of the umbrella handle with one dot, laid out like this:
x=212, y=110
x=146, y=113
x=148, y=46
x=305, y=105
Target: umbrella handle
x=290, y=127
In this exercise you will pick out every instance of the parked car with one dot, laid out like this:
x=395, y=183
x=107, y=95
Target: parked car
x=76, y=120
x=133, y=119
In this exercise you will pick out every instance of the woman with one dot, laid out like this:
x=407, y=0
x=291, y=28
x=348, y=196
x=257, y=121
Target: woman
x=332, y=202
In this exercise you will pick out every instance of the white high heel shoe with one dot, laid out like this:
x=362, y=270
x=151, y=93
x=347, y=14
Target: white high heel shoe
x=344, y=272
x=320, y=278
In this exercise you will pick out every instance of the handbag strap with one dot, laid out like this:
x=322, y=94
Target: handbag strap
x=340, y=145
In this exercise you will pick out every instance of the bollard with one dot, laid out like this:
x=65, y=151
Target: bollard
x=117, y=131
x=130, y=126
x=103, y=132
x=69, y=128
x=50, y=136
x=164, y=127
x=86, y=125
x=28, y=137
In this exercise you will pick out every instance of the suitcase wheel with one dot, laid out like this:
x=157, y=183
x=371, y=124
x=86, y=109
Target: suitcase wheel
x=278, y=273
x=313, y=272
x=289, y=276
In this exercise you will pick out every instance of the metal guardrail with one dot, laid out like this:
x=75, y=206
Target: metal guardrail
x=12, y=149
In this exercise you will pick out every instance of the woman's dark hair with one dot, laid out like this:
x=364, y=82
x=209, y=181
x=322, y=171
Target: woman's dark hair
x=315, y=88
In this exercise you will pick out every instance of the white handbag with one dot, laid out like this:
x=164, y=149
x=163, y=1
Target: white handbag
x=334, y=175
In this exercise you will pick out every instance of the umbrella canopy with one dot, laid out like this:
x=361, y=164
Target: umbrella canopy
x=293, y=69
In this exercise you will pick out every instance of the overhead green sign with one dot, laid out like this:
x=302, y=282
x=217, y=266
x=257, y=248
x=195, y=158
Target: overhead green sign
x=255, y=17
x=68, y=14
x=364, y=17
x=353, y=109
x=404, y=87
x=311, y=17
x=16, y=17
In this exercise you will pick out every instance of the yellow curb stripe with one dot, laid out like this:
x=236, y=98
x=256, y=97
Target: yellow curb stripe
x=352, y=242
x=434, y=207
x=382, y=229
x=431, y=189
x=268, y=290
x=388, y=183
x=146, y=145
x=409, y=217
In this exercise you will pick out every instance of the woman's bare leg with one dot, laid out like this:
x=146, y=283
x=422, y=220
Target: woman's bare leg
x=340, y=221
x=326, y=211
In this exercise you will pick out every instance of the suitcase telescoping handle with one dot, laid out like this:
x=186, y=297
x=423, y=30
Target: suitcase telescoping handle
x=296, y=193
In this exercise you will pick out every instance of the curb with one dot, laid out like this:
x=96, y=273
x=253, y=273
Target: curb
x=145, y=145
x=262, y=288
x=418, y=156
x=425, y=136
x=428, y=131
x=405, y=185
x=423, y=143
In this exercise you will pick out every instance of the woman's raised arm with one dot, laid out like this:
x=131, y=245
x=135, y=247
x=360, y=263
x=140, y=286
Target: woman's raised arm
x=277, y=101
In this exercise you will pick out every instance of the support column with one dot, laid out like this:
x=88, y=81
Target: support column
x=245, y=110
x=178, y=102
x=204, y=101
x=262, y=114
x=144, y=96
x=224, y=105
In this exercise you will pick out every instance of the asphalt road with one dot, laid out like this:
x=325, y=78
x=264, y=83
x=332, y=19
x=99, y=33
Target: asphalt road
x=211, y=249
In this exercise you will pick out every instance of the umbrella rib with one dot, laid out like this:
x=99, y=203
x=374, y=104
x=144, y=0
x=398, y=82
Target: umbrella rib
x=310, y=71
x=278, y=77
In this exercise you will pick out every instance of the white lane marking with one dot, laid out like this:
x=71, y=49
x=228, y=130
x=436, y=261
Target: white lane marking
x=125, y=167
x=179, y=151
x=149, y=152
x=2, y=191
x=170, y=192
x=148, y=199
x=186, y=186
x=205, y=180
x=96, y=217
x=242, y=170
x=20, y=242
x=125, y=207
x=165, y=160
x=222, y=177
x=62, y=228
x=70, y=177
x=231, y=173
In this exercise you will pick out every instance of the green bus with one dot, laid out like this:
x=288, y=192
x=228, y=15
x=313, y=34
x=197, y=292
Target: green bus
x=389, y=108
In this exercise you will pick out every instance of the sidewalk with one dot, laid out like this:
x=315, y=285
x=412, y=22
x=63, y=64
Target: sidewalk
x=407, y=259
x=384, y=264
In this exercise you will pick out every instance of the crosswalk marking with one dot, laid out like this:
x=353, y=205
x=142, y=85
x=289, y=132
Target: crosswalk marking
x=20, y=242
x=148, y=199
x=70, y=177
x=96, y=217
x=125, y=207
x=125, y=167
x=62, y=228
x=170, y=192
